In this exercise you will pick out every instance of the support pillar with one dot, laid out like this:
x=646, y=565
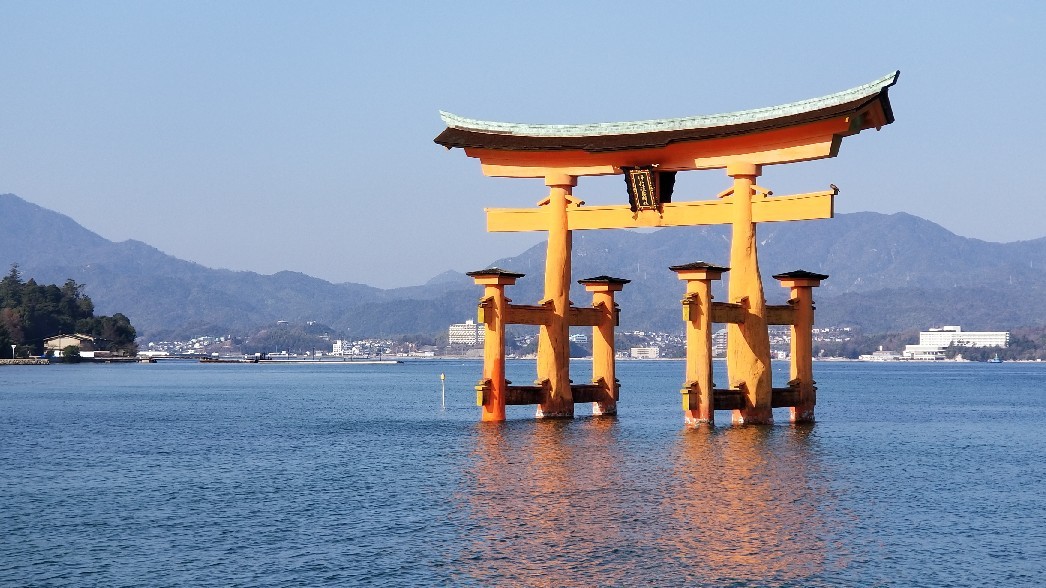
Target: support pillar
x=801, y=283
x=604, y=367
x=553, y=337
x=493, y=308
x=748, y=342
x=698, y=400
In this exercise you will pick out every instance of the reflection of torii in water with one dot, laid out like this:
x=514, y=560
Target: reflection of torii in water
x=649, y=153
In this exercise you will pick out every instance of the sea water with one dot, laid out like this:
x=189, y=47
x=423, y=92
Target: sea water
x=184, y=474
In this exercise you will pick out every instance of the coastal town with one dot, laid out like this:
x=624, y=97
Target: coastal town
x=466, y=339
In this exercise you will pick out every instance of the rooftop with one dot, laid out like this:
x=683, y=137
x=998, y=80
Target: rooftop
x=646, y=134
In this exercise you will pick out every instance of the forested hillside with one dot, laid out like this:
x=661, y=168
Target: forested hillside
x=31, y=312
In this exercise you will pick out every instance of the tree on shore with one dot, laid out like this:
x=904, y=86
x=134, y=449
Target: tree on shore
x=71, y=354
x=30, y=313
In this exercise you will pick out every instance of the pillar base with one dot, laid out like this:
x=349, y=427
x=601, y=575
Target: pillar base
x=553, y=414
x=802, y=414
x=697, y=406
x=693, y=418
x=754, y=416
x=604, y=409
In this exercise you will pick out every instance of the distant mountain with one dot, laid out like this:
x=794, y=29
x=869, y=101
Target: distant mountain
x=166, y=297
x=888, y=273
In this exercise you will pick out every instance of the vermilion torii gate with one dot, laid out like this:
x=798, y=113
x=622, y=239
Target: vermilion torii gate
x=649, y=154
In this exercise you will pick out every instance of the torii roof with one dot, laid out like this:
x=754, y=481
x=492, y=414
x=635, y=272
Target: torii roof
x=465, y=133
x=809, y=129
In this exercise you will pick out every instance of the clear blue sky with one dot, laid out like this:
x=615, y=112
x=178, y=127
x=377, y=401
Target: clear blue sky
x=298, y=135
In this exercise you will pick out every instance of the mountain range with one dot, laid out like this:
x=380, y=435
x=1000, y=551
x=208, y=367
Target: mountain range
x=887, y=273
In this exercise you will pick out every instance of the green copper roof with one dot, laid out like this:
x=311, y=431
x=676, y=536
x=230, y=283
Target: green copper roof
x=870, y=89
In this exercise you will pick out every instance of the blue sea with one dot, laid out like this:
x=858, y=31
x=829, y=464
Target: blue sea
x=185, y=474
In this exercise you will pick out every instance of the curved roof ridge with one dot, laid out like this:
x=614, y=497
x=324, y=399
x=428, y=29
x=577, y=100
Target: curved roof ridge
x=671, y=124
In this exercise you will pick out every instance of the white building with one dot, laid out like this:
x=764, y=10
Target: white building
x=579, y=338
x=719, y=343
x=932, y=343
x=342, y=347
x=881, y=355
x=644, y=353
x=954, y=335
x=923, y=352
x=466, y=333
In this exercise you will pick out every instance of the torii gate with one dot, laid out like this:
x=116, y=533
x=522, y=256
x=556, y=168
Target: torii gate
x=649, y=153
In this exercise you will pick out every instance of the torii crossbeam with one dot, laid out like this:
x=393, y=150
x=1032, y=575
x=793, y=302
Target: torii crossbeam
x=649, y=153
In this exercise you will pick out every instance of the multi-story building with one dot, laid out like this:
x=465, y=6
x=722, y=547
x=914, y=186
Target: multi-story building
x=933, y=342
x=466, y=333
x=954, y=335
x=719, y=343
x=644, y=353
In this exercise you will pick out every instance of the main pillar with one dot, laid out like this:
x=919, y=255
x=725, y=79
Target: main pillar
x=698, y=391
x=604, y=368
x=801, y=283
x=554, y=337
x=748, y=343
x=493, y=309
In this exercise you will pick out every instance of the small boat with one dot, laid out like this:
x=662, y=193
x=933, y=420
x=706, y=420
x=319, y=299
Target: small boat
x=995, y=359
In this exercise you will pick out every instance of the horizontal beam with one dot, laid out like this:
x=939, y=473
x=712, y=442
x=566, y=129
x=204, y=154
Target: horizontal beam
x=728, y=312
x=524, y=395
x=580, y=393
x=783, y=397
x=780, y=314
x=727, y=399
x=586, y=317
x=538, y=393
x=814, y=205
x=590, y=393
x=732, y=399
x=523, y=314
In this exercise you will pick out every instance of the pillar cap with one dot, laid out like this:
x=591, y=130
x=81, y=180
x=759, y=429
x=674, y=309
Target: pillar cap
x=800, y=279
x=698, y=265
x=699, y=270
x=494, y=275
x=604, y=280
x=494, y=271
x=604, y=284
x=800, y=274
